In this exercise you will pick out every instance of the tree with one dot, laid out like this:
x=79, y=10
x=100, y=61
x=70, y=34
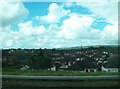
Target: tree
x=53, y=49
x=99, y=67
x=39, y=62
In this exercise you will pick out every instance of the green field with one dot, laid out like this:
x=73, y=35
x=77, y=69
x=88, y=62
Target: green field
x=53, y=73
x=55, y=83
x=59, y=83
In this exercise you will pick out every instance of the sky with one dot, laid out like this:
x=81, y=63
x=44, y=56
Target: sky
x=58, y=24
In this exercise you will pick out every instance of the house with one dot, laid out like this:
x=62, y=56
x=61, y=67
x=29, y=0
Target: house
x=85, y=65
x=112, y=65
x=112, y=70
x=104, y=69
x=63, y=67
x=75, y=67
x=25, y=67
x=52, y=68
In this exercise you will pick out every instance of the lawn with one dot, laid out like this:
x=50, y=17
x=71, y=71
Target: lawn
x=53, y=73
x=59, y=83
x=55, y=83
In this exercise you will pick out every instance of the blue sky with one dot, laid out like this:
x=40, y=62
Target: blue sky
x=59, y=24
x=41, y=8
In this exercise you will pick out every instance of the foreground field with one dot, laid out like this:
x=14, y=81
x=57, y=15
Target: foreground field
x=56, y=83
x=53, y=73
x=59, y=83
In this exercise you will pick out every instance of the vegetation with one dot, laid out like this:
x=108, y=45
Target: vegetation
x=35, y=59
x=60, y=83
x=42, y=59
x=39, y=62
x=7, y=71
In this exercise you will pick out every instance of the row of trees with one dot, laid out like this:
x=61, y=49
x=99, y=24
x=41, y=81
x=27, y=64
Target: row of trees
x=39, y=62
x=19, y=58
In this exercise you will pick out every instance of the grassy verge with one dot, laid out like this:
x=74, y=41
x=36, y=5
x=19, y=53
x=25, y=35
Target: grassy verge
x=53, y=73
x=53, y=83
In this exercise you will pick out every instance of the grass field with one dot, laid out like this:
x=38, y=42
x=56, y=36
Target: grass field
x=53, y=73
x=56, y=83
x=59, y=83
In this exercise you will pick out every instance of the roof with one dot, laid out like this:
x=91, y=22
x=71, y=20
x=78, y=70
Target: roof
x=75, y=66
x=87, y=63
x=114, y=62
x=83, y=64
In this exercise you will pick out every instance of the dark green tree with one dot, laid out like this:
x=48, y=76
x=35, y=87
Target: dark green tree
x=99, y=67
x=39, y=62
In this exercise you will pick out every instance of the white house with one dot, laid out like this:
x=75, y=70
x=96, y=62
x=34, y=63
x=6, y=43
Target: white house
x=24, y=67
x=104, y=69
x=52, y=68
x=110, y=69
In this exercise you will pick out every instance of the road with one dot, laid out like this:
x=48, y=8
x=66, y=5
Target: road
x=61, y=77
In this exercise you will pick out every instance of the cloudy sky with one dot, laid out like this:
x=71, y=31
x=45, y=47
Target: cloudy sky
x=58, y=24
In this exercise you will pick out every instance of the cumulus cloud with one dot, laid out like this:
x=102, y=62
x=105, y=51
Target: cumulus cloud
x=11, y=12
x=110, y=32
x=55, y=12
x=75, y=25
x=7, y=37
x=68, y=4
x=28, y=29
x=103, y=8
x=25, y=37
x=75, y=30
x=67, y=35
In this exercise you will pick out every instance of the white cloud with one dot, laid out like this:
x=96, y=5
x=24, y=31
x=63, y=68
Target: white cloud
x=74, y=26
x=28, y=29
x=110, y=32
x=68, y=4
x=107, y=9
x=67, y=35
x=74, y=31
x=25, y=37
x=104, y=8
x=9, y=43
x=55, y=12
x=78, y=28
x=7, y=37
x=11, y=12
